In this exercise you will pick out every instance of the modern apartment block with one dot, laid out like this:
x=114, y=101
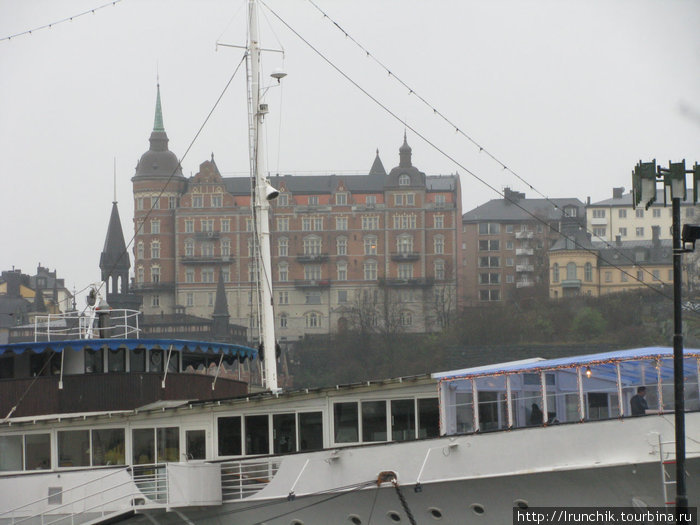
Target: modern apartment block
x=612, y=218
x=386, y=243
x=505, y=244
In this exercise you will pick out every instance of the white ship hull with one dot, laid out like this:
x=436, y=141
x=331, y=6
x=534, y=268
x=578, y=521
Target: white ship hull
x=612, y=463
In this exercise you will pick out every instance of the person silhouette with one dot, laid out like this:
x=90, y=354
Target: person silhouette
x=638, y=404
x=536, y=415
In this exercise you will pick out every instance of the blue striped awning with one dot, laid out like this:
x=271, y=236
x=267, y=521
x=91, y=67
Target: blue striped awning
x=566, y=362
x=199, y=347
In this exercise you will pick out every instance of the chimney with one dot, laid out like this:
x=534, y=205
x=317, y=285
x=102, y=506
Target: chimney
x=588, y=201
x=512, y=196
x=618, y=192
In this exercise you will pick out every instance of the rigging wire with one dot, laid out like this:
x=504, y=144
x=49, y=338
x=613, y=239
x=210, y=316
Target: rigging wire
x=170, y=177
x=451, y=158
x=68, y=19
x=460, y=131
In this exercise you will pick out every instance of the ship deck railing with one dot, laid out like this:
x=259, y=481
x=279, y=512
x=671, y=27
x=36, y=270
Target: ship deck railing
x=123, y=324
x=241, y=479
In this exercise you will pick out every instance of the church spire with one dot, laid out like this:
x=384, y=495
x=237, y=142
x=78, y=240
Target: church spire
x=405, y=153
x=377, y=166
x=220, y=315
x=158, y=121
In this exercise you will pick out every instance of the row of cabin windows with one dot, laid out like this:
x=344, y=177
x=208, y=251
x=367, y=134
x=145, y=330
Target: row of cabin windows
x=96, y=362
x=354, y=422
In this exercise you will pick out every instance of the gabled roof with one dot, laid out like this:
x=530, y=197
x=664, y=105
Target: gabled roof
x=503, y=210
x=626, y=200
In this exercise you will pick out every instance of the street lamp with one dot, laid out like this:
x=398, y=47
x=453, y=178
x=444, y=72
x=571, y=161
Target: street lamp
x=644, y=178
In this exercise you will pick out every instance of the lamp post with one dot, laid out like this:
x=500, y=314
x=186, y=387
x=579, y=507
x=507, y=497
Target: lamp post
x=644, y=178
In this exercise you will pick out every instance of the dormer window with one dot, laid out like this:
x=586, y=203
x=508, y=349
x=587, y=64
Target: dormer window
x=404, y=180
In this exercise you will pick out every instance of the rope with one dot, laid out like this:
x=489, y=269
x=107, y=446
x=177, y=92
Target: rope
x=404, y=504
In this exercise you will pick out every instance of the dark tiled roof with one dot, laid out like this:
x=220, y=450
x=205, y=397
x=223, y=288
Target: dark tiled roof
x=504, y=211
x=321, y=184
x=114, y=255
x=626, y=199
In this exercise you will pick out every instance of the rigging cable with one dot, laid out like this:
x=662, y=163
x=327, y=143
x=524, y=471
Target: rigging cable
x=138, y=227
x=68, y=19
x=452, y=159
x=460, y=131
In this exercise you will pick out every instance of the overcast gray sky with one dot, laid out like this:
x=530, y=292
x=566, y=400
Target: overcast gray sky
x=568, y=94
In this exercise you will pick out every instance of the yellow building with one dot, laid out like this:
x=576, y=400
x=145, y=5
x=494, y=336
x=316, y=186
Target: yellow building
x=579, y=267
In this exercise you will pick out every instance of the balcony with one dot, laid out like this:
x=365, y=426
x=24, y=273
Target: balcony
x=524, y=251
x=524, y=284
x=405, y=256
x=408, y=283
x=207, y=259
x=524, y=235
x=599, y=221
x=524, y=268
x=153, y=287
x=312, y=258
x=312, y=283
x=207, y=236
x=571, y=283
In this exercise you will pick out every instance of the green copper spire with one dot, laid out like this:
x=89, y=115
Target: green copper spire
x=158, y=122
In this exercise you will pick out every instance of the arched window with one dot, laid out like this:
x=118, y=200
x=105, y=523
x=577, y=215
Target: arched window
x=555, y=273
x=588, y=272
x=571, y=271
x=283, y=247
x=313, y=319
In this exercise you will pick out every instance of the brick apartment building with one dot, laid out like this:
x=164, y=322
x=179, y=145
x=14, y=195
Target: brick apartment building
x=385, y=242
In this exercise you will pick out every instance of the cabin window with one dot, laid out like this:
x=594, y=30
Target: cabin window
x=116, y=360
x=284, y=433
x=137, y=360
x=229, y=436
x=151, y=443
x=345, y=423
x=37, y=451
x=428, y=418
x=94, y=361
x=143, y=446
x=74, y=448
x=11, y=453
x=310, y=431
x=196, y=444
x=7, y=367
x=155, y=361
x=257, y=437
x=108, y=447
x=403, y=419
x=373, y=421
x=168, y=441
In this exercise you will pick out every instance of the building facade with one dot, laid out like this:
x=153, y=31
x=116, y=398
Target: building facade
x=581, y=267
x=381, y=245
x=505, y=244
x=612, y=218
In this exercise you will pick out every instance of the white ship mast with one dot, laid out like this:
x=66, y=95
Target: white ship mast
x=263, y=194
